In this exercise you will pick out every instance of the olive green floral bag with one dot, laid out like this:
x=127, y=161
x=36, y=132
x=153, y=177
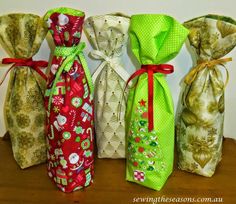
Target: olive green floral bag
x=201, y=109
x=21, y=35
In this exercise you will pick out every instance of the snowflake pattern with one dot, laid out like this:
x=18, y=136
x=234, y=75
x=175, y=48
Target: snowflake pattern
x=57, y=100
x=56, y=109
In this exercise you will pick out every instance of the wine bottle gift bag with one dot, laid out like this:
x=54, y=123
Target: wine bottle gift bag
x=155, y=39
x=69, y=104
x=108, y=34
x=21, y=35
x=201, y=108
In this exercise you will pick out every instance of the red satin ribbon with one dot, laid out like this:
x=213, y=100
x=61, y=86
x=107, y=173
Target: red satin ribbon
x=150, y=70
x=25, y=62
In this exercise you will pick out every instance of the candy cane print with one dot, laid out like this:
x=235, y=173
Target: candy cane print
x=86, y=91
x=51, y=136
x=50, y=164
x=73, y=117
x=88, y=163
x=90, y=132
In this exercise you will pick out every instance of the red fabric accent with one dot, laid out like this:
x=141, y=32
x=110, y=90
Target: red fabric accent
x=25, y=62
x=70, y=122
x=150, y=70
x=73, y=26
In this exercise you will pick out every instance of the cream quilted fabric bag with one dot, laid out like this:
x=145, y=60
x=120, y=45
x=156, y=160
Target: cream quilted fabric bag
x=108, y=35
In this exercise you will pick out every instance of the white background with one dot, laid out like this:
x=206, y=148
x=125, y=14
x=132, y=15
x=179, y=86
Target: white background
x=182, y=10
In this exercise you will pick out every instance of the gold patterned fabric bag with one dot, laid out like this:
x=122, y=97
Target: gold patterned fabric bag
x=108, y=34
x=200, y=116
x=21, y=35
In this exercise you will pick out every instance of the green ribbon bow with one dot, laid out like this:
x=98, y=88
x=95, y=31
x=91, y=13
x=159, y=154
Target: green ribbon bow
x=70, y=53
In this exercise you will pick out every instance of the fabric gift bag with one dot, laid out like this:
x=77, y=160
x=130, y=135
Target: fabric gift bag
x=21, y=35
x=201, y=108
x=155, y=39
x=108, y=34
x=69, y=103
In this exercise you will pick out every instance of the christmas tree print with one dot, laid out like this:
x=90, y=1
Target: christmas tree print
x=144, y=151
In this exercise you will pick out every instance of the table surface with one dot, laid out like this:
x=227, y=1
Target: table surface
x=32, y=185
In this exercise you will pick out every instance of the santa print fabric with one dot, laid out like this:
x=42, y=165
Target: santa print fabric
x=69, y=104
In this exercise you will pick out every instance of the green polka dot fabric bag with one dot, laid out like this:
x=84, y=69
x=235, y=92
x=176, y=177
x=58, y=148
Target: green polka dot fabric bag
x=21, y=35
x=155, y=39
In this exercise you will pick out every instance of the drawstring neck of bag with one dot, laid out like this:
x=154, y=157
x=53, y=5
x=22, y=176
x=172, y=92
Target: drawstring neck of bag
x=113, y=61
x=35, y=65
x=190, y=77
x=150, y=70
x=70, y=53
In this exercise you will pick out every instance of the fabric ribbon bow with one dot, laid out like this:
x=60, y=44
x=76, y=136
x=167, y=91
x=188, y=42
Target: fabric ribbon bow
x=150, y=70
x=210, y=65
x=114, y=63
x=24, y=62
x=70, y=53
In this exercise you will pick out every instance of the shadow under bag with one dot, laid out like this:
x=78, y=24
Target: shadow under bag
x=201, y=108
x=155, y=39
x=69, y=103
x=21, y=35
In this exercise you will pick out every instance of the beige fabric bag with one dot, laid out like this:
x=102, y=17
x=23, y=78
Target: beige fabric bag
x=108, y=35
x=21, y=35
x=201, y=109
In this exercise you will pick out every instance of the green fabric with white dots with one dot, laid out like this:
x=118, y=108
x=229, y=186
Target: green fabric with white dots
x=155, y=39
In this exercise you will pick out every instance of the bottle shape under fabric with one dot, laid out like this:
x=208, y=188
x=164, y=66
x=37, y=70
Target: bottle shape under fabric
x=22, y=35
x=155, y=39
x=200, y=118
x=69, y=103
x=108, y=35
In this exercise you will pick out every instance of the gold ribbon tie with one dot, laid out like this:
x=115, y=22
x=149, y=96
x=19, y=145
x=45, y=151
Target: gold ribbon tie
x=207, y=64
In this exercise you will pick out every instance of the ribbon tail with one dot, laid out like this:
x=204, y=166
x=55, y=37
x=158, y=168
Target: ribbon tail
x=87, y=72
x=227, y=76
x=98, y=71
x=150, y=100
x=5, y=75
x=44, y=76
x=63, y=66
x=192, y=74
x=122, y=72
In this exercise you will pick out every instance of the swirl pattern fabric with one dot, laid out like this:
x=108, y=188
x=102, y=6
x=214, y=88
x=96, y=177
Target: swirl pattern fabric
x=200, y=118
x=22, y=35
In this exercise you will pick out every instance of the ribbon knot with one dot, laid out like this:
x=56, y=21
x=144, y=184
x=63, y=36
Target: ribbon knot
x=114, y=62
x=150, y=70
x=190, y=77
x=70, y=53
x=24, y=62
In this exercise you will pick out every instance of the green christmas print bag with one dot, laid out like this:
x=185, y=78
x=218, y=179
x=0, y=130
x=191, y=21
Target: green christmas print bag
x=155, y=39
x=200, y=118
x=21, y=35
